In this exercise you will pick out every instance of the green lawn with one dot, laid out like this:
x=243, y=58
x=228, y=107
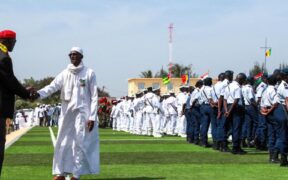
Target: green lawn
x=125, y=156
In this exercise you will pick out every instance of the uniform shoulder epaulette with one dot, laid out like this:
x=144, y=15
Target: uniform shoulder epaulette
x=3, y=48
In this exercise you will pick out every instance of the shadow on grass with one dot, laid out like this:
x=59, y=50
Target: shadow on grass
x=136, y=178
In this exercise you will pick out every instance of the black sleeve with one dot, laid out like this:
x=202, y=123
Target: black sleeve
x=9, y=81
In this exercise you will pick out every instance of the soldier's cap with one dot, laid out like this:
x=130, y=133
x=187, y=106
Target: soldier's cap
x=182, y=86
x=7, y=34
x=144, y=90
x=149, y=88
x=156, y=89
x=285, y=71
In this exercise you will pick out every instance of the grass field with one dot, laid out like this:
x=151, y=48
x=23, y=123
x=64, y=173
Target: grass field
x=125, y=156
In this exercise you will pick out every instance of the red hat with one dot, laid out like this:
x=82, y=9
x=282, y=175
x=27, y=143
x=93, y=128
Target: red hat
x=7, y=34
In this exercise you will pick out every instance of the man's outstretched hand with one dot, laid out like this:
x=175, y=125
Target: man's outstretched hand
x=33, y=93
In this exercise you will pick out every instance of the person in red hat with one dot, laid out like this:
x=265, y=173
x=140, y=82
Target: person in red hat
x=9, y=86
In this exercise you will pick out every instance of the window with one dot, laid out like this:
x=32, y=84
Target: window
x=155, y=85
x=170, y=86
x=141, y=86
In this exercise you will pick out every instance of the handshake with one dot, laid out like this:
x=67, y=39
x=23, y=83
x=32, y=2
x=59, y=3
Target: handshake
x=33, y=93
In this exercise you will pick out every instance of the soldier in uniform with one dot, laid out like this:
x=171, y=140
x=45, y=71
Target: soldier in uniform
x=181, y=99
x=251, y=114
x=157, y=109
x=206, y=112
x=171, y=104
x=9, y=86
x=268, y=104
x=234, y=111
x=149, y=100
x=261, y=132
x=222, y=129
x=195, y=113
x=216, y=93
x=138, y=105
x=282, y=118
x=188, y=114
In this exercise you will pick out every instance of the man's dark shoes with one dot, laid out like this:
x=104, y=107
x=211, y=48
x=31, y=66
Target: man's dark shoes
x=224, y=147
x=273, y=157
x=59, y=178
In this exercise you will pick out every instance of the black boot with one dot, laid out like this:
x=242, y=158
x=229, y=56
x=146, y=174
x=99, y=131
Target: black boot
x=224, y=147
x=283, y=160
x=241, y=151
x=274, y=157
x=191, y=140
x=218, y=145
x=238, y=150
x=243, y=143
x=214, y=146
x=271, y=156
x=250, y=144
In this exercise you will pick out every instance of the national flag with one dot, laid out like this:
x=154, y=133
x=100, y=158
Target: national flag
x=166, y=80
x=268, y=52
x=259, y=75
x=184, y=78
x=205, y=75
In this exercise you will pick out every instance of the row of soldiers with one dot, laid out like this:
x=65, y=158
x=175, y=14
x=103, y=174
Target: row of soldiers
x=253, y=113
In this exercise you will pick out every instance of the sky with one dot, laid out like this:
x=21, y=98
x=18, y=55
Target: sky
x=122, y=38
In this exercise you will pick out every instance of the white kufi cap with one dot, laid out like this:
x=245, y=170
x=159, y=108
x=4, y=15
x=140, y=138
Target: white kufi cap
x=77, y=49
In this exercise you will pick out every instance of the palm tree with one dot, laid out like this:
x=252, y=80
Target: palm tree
x=162, y=73
x=179, y=69
x=146, y=74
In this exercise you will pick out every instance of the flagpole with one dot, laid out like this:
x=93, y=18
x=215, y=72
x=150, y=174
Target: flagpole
x=265, y=55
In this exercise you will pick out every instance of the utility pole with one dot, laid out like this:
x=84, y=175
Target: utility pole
x=170, y=48
x=265, y=50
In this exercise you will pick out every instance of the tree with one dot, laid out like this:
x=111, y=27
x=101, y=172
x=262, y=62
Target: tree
x=257, y=68
x=102, y=92
x=146, y=74
x=162, y=73
x=179, y=69
x=283, y=66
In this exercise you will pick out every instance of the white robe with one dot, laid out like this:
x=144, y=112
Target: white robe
x=77, y=149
